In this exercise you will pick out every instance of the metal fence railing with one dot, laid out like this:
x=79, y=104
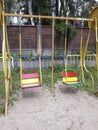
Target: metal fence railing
x=75, y=60
x=1, y=65
x=32, y=61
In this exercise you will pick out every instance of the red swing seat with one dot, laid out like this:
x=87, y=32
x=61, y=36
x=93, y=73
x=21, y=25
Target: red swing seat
x=70, y=78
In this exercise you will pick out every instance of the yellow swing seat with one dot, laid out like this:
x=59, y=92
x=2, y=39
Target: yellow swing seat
x=30, y=80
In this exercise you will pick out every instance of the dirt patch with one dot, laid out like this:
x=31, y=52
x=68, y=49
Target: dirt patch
x=38, y=109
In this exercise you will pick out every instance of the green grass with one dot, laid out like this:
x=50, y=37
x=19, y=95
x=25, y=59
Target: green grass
x=46, y=75
x=15, y=84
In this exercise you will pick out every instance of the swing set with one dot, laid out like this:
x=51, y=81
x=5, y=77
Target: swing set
x=33, y=79
x=30, y=78
x=69, y=76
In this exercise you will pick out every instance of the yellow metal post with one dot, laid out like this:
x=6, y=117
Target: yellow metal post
x=81, y=55
x=84, y=57
x=39, y=54
x=65, y=44
x=96, y=33
x=7, y=71
x=52, y=77
x=9, y=61
x=39, y=49
x=20, y=44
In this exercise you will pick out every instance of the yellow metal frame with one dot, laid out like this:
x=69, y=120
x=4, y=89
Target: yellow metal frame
x=83, y=53
x=1, y=10
x=48, y=17
x=52, y=76
x=6, y=59
x=94, y=26
x=20, y=43
x=39, y=54
x=6, y=52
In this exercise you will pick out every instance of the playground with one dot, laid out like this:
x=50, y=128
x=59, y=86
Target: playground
x=49, y=92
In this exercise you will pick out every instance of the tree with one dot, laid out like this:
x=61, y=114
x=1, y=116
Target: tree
x=30, y=11
x=70, y=8
x=8, y=5
x=37, y=7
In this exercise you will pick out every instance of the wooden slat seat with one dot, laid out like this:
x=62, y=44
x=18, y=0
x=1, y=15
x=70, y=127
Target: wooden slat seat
x=70, y=78
x=28, y=76
x=31, y=80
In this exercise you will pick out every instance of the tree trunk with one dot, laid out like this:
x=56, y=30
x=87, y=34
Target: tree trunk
x=30, y=11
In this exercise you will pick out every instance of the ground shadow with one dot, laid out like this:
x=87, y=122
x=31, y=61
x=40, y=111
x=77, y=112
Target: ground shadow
x=68, y=89
x=30, y=93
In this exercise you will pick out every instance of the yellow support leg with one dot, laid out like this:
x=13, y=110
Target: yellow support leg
x=7, y=96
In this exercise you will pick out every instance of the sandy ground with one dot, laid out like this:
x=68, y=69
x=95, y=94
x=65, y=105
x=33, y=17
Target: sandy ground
x=37, y=109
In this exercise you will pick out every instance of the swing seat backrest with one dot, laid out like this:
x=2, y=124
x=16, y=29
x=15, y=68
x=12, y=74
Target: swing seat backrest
x=30, y=80
x=69, y=77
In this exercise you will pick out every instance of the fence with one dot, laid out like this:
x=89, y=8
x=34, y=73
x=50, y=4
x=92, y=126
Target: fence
x=1, y=65
x=32, y=61
x=75, y=60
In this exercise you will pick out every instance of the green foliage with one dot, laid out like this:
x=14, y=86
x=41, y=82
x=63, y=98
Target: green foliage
x=2, y=91
x=8, y=5
x=16, y=79
x=71, y=31
x=46, y=7
x=60, y=27
x=47, y=74
x=87, y=85
x=47, y=77
x=63, y=29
